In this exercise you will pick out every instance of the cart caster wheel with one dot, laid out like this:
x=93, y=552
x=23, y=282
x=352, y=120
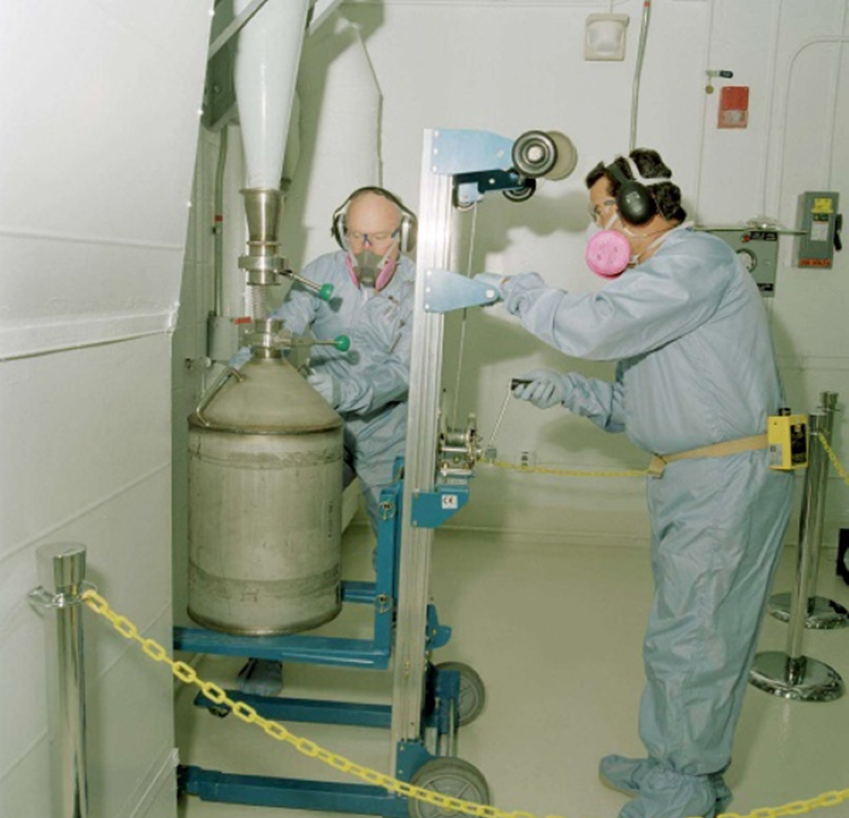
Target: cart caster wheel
x=472, y=692
x=544, y=153
x=220, y=710
x=452, y=777
x=521, y=194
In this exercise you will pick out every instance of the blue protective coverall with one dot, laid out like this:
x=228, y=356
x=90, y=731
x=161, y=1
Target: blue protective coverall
x=695, y=366
x=374, y=374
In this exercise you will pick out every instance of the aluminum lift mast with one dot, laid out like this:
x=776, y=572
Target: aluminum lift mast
x=458, y=168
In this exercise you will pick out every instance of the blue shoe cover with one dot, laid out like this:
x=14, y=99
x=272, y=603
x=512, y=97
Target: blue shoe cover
x=624, y=774
x=723, y=794
x=261, y=677
x=667, y=794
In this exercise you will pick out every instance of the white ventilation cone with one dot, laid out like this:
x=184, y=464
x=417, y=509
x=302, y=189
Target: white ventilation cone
x=265, y=71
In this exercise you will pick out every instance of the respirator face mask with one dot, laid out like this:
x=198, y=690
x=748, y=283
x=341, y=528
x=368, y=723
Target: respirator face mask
x=608, y=252
x=370, y=269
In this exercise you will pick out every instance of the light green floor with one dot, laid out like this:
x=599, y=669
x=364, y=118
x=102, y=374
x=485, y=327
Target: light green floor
x=555, y=632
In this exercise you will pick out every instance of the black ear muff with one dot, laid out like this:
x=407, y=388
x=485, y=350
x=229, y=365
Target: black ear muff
x=337, y=224
x=634, y=200
x=408, y=227
x=409, y=230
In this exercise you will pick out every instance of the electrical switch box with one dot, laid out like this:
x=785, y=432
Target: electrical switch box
x=757, y=251
x=820, y=228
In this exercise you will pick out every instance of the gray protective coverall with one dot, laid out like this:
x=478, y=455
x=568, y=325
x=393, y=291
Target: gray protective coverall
x=374, y=374
x=695, y=367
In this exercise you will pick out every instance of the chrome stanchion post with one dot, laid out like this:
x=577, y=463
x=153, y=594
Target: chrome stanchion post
x=62, y=571
x=820, y=613
x=792, y=675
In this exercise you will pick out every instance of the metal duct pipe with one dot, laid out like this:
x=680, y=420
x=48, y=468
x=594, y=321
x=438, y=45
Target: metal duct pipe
x=265, y=71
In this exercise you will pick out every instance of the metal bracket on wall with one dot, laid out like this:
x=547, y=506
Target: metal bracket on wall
x=219, y=107
x=233, y=28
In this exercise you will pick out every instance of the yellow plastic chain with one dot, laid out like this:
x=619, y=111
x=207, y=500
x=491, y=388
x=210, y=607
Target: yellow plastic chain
x=186, y=673
x=503, y=464
x=838, y=466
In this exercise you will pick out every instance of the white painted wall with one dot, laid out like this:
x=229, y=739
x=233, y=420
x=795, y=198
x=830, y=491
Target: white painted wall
x=511, y=65
x=97, y=146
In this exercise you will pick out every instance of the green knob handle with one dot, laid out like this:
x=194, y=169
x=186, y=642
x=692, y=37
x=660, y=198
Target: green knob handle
x=326, y=292
x=342, y=343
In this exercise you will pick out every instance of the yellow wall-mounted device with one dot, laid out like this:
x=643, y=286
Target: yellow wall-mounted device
x=787, y=436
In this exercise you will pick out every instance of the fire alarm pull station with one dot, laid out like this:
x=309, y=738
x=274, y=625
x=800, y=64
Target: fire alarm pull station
x=733, y=107
x=820, y=230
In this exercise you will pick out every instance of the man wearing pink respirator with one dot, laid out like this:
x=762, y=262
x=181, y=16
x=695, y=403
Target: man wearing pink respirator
x=373, y=283
x=696, y=380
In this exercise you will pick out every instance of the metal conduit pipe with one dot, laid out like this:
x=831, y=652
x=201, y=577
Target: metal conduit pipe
x=62, y=570
x=218, y=227
x=638, y=70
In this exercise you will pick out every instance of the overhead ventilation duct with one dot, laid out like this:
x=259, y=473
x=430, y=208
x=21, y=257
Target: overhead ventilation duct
x=265, y=71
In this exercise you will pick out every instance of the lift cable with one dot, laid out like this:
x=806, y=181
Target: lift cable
x=463, y=323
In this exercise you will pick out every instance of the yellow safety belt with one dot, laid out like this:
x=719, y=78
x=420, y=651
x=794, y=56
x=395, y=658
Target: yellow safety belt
x=743, y=444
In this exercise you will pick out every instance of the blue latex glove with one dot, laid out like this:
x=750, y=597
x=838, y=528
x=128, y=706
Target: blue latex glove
x=515, y=290
x=547, y=388
x=326, y=386
x=492, y=281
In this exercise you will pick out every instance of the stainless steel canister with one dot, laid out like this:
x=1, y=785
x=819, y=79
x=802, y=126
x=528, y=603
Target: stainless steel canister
x=265, y=485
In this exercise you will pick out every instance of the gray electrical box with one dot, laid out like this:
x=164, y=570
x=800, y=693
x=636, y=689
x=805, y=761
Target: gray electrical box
x=757, y=249
x=820, y=222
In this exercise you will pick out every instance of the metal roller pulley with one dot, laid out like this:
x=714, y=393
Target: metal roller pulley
x=546, y=154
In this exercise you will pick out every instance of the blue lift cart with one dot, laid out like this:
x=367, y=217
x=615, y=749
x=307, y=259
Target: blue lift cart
x=429, y=702
x=454, y=695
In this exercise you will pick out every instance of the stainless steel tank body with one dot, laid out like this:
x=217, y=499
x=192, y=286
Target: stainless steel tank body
x=265, y=500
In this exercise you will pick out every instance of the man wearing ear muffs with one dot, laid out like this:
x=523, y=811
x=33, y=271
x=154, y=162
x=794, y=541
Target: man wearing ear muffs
x=373, y=286
x=696, y=380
